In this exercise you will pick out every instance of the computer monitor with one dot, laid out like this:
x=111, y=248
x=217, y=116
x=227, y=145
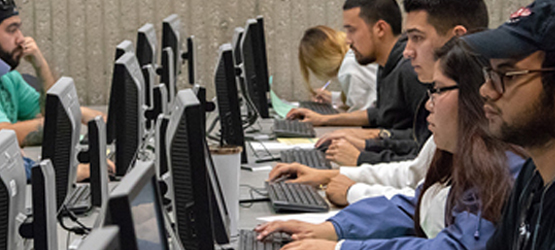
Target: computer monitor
x=197, y=195
x=167, y=74
x=264, y=57
x=171, y=28
x=236, y=43
x=62, y=125
x=191, y=57
x=228, y=101
x=135, y=207
x=160, y=149
x=126, y=119
x=149, y=75
x=104, y=238
x=146, y=45
x=97, y=157
x=45, y=224
x=122, y=48
x=12, y=191
x=253, y=73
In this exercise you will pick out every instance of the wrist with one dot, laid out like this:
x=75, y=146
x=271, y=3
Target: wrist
x=327, y=231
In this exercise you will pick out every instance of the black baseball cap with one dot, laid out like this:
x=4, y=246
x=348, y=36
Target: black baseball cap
x=529, y=29
x=7, y=9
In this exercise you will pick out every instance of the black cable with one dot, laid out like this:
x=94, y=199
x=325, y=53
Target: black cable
x=252, y=190
x=81, y=230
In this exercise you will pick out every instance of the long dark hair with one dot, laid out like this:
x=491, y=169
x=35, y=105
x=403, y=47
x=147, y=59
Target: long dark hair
x=478, y=167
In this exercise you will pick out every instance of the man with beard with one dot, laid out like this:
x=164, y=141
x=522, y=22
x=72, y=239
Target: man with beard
x=520, y=106
x=373, y=30
x=19, y=102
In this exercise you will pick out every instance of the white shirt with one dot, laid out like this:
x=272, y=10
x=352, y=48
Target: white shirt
x=389, y=179
x=358, y=82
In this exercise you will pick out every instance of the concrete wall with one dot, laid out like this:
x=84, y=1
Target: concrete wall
x=78, y=37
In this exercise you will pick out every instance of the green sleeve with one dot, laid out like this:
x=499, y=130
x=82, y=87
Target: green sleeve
x=3, y=116
x=28, y=98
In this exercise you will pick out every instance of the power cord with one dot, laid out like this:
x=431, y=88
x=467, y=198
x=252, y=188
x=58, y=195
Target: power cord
x=81, y=230
x=260, y=191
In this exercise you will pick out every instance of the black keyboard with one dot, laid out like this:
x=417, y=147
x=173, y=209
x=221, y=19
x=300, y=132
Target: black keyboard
x=80, y=200
x=293, y=128
x=247, y=241
x=311, y=157
x=295, y=197
x=322, y=108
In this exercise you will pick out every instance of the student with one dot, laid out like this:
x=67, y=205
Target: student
x=374, y=34
x=324, y=52
x=519, y=92
x=429, y=24
x=19, y=102
x=457, y=207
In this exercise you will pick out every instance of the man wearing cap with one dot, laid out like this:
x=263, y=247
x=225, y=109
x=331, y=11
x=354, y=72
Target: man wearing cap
x=520, y=106
x=19, y=102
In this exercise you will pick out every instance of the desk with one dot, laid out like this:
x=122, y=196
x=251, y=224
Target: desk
x=247, y=215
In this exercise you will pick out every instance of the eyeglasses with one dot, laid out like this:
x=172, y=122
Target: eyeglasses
x=438, y=91
x=498, y=78
x=7, y=4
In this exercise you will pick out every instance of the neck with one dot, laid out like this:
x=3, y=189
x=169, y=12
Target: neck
x=543, y=159
x=384, y=49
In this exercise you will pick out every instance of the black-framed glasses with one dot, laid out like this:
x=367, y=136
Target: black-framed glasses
x=7, y=4
x=497, y=78
x=438, y=91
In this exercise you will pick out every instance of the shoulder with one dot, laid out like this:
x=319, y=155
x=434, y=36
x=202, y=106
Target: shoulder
x=12, y=78
x=350, y=66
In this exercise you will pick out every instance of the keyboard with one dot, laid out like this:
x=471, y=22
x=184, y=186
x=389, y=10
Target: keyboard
x=295, y=197
x=247, y=241
x=322, y=108
x=311, y=157
x=293, y=128
x=80, y=200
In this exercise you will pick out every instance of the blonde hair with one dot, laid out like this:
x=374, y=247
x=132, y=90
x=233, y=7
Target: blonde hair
x=321, y=51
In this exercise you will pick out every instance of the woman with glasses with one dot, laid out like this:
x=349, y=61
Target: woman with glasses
x=460, y=201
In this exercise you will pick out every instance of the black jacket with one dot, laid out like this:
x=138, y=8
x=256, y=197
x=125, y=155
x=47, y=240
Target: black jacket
x=530, y=204
x=399, y=108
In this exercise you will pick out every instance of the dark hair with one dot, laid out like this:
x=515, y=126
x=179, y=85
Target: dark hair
x=372, y=11
x=479, y=159
x=446, y=14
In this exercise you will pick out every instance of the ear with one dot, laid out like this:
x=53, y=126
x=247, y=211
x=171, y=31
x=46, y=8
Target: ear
x=459, y=31
x=381, y=28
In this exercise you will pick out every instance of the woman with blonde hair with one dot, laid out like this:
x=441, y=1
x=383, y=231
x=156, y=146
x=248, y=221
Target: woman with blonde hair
x=324, y=52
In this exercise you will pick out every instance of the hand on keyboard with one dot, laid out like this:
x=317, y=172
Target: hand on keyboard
x=299, y=230
x=307, y=115
x=303, y=174
x=356, y=137
x=343, y=153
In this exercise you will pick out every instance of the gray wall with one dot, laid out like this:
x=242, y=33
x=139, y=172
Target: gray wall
x=78, y=37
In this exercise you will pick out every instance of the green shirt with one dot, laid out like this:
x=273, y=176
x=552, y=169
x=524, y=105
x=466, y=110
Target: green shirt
x=18, y=100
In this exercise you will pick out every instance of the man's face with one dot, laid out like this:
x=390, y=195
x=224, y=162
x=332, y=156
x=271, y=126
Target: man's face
x=11, y=41
x=524, y=114
x=359, y=36
x=423, y=39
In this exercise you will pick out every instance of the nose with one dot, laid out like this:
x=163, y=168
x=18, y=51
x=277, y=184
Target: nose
x=408, y=52
x=487, y=91
x=429, y=105
x=20, y=39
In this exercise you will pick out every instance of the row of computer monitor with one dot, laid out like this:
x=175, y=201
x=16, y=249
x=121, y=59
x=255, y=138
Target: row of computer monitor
x=128, y=117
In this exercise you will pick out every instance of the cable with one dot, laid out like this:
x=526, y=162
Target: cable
x=81, y=230
x=252, y=190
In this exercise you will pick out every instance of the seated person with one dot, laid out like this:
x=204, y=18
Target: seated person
x=519, y=93
x=325, y=53
x=457, y=207
x=19, y=102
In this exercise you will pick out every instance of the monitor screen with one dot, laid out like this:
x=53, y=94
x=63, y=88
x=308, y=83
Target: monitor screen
x=254, y=78
x=12, y=190
x=228, y=101
x=146, y=45
x=135, y=207
x=263, y=59
x=126, y=120
x=62, y=125
x=171, y=27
